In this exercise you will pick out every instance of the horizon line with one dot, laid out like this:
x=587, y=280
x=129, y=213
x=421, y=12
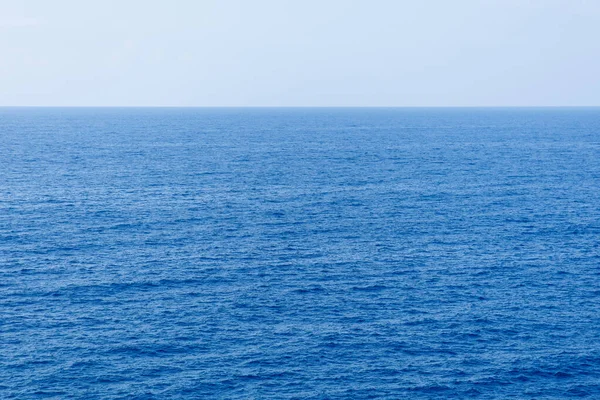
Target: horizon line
x=299, y=106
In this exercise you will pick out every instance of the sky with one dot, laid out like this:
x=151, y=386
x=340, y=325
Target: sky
x=300, y=53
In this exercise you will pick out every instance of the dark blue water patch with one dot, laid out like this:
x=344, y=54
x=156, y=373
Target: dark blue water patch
x=299, y=253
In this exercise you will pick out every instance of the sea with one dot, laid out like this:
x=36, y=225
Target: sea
x=299, y=253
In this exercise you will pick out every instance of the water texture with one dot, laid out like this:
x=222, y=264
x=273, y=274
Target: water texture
x=299, y=253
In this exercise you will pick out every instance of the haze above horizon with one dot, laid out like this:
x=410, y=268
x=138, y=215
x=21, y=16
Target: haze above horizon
x=283, y=53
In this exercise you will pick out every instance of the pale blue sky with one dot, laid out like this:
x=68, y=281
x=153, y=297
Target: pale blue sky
x=300, y=52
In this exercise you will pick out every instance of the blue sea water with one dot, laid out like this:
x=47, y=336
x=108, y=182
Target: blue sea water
x=299, y=253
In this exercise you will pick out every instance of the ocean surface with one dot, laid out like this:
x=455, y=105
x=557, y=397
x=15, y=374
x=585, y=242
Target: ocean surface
x=299, y=253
